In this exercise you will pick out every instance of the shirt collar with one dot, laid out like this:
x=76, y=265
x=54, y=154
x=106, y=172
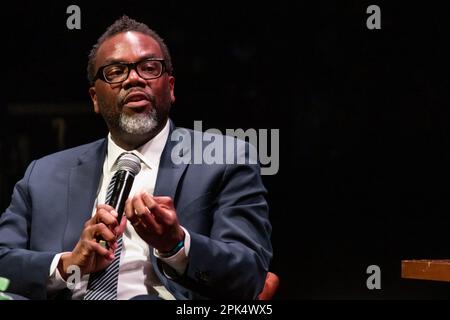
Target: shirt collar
x=149, y=153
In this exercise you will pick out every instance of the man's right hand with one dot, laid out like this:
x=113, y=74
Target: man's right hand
x=88, y=254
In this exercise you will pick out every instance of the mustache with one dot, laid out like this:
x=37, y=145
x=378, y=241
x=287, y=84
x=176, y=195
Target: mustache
x=125, y=95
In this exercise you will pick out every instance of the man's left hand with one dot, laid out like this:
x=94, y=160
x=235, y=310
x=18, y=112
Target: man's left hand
x=155, y=220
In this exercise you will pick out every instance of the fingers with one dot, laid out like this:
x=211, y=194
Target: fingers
x=164, y=202
x=121, y=228
x=106, y=207
x=129, y=211
x=162, y=208
x=135, y=208
x=98, y=231
x=137, y=211
x=87, y=247
x=107, y=215
x=155, y=220
x=151, y=210
x=143, y=204
x=148, y=222
x=107, y=253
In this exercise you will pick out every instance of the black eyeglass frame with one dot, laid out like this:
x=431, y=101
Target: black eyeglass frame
x=131, y=66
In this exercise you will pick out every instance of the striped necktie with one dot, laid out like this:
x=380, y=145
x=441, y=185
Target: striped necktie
x=102, y=285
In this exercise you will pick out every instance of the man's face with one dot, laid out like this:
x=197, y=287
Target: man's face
x=135, y=107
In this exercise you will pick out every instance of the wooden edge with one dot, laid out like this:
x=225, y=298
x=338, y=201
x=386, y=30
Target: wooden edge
x=436, y=270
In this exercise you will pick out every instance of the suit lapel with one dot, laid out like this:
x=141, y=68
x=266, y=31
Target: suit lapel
x=83, y=184
x=169, y=173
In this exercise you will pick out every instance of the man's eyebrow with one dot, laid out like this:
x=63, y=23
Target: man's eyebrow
x=114, y=60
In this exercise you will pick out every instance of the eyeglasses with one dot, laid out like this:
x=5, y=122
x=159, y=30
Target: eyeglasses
x=147, y=69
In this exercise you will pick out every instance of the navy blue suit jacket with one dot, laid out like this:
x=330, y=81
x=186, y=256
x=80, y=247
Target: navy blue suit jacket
x=222, y=206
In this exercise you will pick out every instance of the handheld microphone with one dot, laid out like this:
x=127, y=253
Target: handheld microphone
x=129, y=166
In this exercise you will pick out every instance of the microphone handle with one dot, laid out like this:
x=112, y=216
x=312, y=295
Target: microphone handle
x=122, y=187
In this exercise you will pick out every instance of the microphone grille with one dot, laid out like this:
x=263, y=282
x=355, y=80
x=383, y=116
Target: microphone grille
x=129, y=162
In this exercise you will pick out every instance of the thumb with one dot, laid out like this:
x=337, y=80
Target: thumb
x=121, y=227
x=164, y=201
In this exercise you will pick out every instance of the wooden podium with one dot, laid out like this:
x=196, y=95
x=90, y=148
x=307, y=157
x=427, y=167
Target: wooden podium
x=437, y=270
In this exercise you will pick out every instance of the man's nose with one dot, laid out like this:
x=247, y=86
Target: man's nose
x=134, y=79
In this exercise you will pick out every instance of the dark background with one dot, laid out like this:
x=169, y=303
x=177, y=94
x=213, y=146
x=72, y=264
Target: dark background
x=363, y=116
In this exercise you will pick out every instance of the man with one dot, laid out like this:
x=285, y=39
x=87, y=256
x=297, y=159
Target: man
x=189, y=231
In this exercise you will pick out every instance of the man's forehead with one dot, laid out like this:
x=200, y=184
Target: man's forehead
x=128, y=45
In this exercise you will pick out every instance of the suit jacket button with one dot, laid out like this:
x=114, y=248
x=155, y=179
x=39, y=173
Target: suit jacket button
x=202, y=276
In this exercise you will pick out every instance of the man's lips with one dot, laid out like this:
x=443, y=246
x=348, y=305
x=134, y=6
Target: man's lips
x=136, y=100
x=137, y=104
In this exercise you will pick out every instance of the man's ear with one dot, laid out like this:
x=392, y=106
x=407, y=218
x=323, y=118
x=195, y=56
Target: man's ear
x=93, y=94
x=172, y=88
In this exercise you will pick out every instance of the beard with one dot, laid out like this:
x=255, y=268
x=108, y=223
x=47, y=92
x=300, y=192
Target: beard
x=137, y=123
x=140, y=123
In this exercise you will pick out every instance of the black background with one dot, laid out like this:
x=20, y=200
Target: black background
x=363, y=116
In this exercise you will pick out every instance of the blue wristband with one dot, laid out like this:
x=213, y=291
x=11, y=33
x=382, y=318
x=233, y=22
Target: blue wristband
x=173, y=251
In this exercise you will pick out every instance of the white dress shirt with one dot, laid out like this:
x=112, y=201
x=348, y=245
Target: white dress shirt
x=136, y=274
